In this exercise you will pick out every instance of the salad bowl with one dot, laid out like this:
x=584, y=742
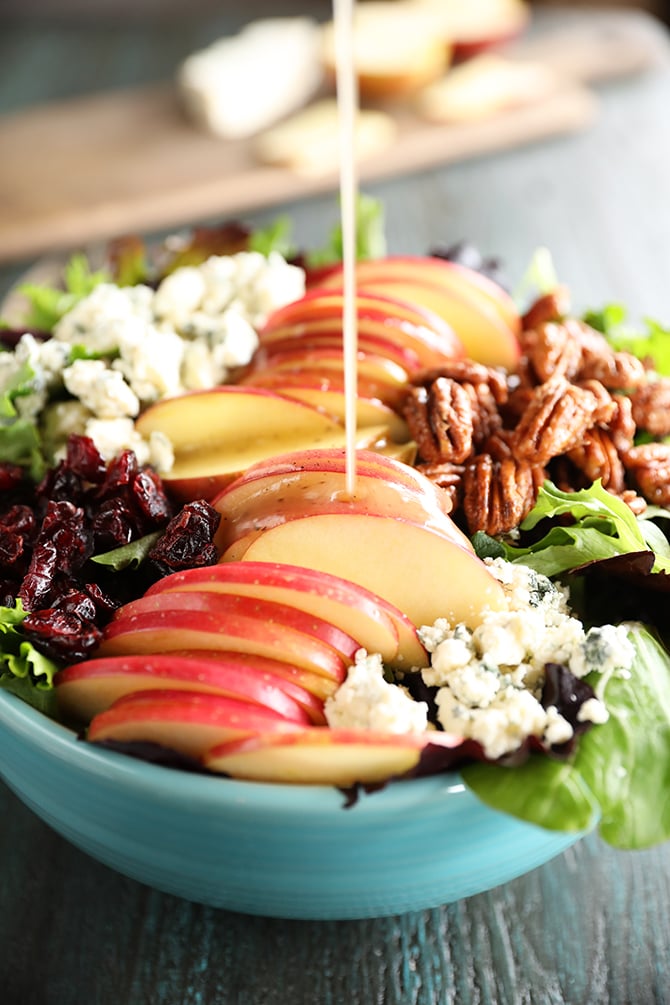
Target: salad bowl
x=276, y=850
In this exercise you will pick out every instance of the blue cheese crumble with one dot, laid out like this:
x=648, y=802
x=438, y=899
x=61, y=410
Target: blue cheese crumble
x=490, y=678
x=141, y=345
x=367, y=701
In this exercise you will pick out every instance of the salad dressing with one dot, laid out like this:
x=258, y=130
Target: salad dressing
x=347, y=99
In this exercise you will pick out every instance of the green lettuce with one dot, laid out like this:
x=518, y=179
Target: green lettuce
x=48, y=304
x=370, y=235
x=129, y=556
x=23, y=669
x=620, y=772
x=602, y=527
x=651, y=342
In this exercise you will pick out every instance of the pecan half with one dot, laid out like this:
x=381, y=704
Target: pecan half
x=616, y=370
x=446, y=476
x=598, y=457
x=549, y=307
x=497, y=495
x=649, y=466
x=651, y=407
x=551, y=350
x=554, y=422
x=441, y=420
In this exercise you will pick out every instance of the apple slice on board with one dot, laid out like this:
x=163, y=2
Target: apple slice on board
x=217, y=434
x=425, y=575
x=86, y=689
x=230, y=607
x=186, y=721
x=171, y=631
x=345, y=605
x=313, y=756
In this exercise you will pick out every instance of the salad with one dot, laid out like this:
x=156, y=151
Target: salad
x=532, y=463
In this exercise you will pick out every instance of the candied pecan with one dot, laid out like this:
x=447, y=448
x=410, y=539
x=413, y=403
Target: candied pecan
x=597, y=457
x=651, y=407
x=551, y=350
x=621, y=426
x=440, y=419
x=605, y=404
x=497, y=495
x=446, y=476
x=616, y=370
x=649, y=466
x=636, y=503
x=549, y=307
x=466, y=371
x=555, y=421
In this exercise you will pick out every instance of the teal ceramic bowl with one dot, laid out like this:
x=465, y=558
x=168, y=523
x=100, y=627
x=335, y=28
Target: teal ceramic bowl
x=276, y=850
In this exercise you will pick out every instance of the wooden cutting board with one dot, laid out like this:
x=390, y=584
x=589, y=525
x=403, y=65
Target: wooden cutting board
x=86, y=169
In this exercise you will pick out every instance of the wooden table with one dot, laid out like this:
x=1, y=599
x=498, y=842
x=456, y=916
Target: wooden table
x=590, y=928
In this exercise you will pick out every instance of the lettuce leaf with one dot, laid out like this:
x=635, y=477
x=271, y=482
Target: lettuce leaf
x=603, y=526
x=275, y=237
x=620, y=771
x=23, y=669
x=129, y=556
x=48, y=304
x=650, y=342
x=370, y=235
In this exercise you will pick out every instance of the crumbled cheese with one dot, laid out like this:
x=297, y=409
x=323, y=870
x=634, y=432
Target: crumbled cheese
x=143, y=344
x=100, y=389
x=490, y=679
x=367, y=701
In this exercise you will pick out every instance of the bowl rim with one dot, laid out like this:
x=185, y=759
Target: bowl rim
x=172, y=784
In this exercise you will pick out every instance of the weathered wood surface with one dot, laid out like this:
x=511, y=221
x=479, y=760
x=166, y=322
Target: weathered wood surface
x=590, y=928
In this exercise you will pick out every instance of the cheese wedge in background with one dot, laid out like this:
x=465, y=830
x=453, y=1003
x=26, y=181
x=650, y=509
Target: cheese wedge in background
x=483, y=86
x=242, y=84
x=308, y=142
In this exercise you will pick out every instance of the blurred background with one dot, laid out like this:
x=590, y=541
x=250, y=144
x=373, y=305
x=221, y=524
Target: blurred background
x=253, y=8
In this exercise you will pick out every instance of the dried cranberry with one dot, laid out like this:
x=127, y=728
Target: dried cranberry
x=11, y=477
x=12, y=548
x=105, y=604
x=20, y=520
x=64, y=525
x=150, y=498
x=61, y=484
x=61, y=635
x=113, y=525
x=85, y=460
x=120, y=475
x=188, y=540
x=76, y=602
x=37, y=584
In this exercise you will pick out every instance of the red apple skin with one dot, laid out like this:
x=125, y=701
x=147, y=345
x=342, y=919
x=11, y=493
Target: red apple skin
x=228, y=606
x=172, y=631
x=296, y=678
x=341, y=603
x=331, y=340
x=189, y=722
x=86, y=689
x=432, y=271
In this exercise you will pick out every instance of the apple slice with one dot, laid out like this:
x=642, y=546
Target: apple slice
x=313, y=756
x=230, y=607
x=336, y=601
x=170, y=631
x=189, y=722
x=431, y=270
x=296, y=679
x=478, y=312
x=426, y=575
x=369, y=411
x=254, y=506
x=85, y=689
x=330, y=340
x=216, y=434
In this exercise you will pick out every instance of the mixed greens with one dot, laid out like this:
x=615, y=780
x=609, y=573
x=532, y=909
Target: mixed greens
x=616, y=772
